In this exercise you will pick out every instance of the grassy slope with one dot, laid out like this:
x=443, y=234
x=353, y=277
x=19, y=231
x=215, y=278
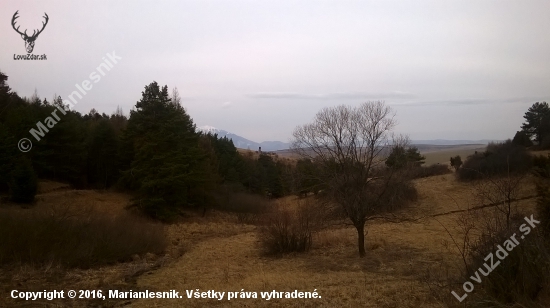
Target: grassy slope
x=390, y=276
x=216, y=253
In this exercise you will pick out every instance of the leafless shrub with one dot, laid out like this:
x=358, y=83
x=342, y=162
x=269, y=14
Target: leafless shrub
x=520, y=276
x=501, y=193
x=523, y=272
x=542, y=182
x=290, y=230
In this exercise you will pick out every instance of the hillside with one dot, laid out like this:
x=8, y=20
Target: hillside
x=219, y=253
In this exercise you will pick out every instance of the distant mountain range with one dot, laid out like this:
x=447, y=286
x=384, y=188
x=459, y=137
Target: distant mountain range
x=243, y=143
x=452, y=142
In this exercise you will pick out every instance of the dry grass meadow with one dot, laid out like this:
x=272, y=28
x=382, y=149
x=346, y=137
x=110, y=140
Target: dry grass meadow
x=442, y=154
x=435, y=154
x=218, y=253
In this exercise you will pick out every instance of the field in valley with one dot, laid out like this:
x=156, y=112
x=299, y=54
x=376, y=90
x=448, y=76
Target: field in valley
x=442, y=154
x=435, y=154
x=218, y=253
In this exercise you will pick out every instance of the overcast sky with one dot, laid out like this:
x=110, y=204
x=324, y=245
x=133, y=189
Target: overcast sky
x=450, y=69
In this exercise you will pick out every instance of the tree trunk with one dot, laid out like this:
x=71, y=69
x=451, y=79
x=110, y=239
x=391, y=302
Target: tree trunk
x=361, y=239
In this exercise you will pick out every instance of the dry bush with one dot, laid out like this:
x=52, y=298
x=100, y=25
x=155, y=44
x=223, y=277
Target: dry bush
x=285, y=234
x=73, y=239
x=517, y=279
x=542, y=182
x=290, y=229
x=502, y=193
x=398, y=192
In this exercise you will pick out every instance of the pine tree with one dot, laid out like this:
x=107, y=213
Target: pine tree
x=401, y=157
x=521, y=138
x=456, y=162
x=102, y=145
x=166, y=161
x=537, y=119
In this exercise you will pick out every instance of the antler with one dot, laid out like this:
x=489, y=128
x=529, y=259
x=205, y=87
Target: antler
x=34, y=33
x=13, y=24
x=43, y=26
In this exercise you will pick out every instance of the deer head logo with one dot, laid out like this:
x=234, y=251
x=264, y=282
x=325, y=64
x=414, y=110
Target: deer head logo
x=29, y=40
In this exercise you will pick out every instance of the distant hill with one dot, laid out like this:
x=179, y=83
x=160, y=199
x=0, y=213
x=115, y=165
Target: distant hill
x=243, y=143
x=452, y=142
x=274, y=145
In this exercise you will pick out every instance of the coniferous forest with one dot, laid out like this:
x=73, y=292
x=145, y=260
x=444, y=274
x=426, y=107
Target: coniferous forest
x=155, y=152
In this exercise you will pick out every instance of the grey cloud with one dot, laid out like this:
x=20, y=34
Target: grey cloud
x=474, y=101
x=450, y=102
x=313, y=56
x=337, y=95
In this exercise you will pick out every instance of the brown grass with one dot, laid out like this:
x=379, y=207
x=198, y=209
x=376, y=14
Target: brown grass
x=443, y=156
x=75, y=239
x=392, y=274
x=70, y=240
x=218, y=253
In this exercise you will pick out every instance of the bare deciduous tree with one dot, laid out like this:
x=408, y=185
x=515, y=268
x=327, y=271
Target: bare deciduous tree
x=175, y=98
x=349, y=145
